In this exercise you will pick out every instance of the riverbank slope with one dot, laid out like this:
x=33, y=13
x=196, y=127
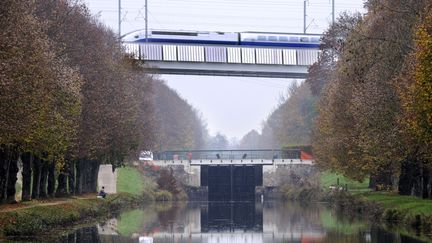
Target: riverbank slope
x=394, y=210
x=38, y=217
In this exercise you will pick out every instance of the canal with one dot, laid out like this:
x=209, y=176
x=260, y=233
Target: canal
x=244, y=222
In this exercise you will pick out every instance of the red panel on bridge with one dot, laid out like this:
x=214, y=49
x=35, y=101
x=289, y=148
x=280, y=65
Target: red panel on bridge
x=305, y=156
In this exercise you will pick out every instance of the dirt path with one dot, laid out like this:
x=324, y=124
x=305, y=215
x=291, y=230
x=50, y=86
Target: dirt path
x=45, y=202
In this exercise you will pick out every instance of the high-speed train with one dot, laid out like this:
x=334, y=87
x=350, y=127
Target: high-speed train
x=225, y=38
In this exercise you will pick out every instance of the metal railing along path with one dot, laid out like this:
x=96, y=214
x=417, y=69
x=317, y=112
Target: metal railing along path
x=230, y=157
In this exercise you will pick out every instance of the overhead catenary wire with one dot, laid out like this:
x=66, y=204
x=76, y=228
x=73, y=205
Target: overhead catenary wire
x=209, y=4
x=201, y=5
x=242, y=15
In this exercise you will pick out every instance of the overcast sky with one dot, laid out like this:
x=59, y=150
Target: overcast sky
x=232, y=106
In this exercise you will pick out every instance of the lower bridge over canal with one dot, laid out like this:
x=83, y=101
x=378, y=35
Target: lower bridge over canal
x=234, y=175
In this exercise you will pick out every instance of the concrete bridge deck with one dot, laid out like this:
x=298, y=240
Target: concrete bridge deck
x=224, y=60
x=234, y=157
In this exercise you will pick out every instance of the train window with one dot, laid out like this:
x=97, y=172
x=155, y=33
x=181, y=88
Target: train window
x=174, y=33
x=262, y=38
x=304, y=39
x=283, y=38
x=315, y=39
x=272, y=38
x=136, y=37
x=294, y=39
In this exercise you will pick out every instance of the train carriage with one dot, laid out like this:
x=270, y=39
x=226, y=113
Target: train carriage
x=225, y=38
x=224, y=47
x=279, y=40
x=186, y=37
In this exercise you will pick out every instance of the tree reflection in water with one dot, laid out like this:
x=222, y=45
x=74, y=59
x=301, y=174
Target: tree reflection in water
x=238, y=222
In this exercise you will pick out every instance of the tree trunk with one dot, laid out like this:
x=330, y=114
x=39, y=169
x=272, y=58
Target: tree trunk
x=79, y=177
x=87, y=176
x=84, y=177
x=5, y=182
x=71, y=177
x=13, y=172
x=36, y=177
x=406, y=180
x=94, y=176
x=43, y=192
x=26, y=159
x=3, y=172
x=417, y=175
x=426, y=182
x=51, y=179
x=372, y=182
x=414, y=178
x=382, y=180
x=62, y=185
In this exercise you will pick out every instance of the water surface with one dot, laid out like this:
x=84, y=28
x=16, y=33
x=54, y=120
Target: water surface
x=235, y=223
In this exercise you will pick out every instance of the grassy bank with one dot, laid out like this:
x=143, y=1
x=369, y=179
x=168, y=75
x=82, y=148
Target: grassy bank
x=402, y=210
x=328, y=179
x=131, y=180
x=389, y=207
x=40, y=219
x=319, y=189
x=412, y=205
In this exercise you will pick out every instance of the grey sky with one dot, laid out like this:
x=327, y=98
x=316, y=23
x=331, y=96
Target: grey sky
x=232, y=106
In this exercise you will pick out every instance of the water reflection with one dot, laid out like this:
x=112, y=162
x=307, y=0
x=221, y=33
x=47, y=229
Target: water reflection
x=235, y=222
x=231, y=217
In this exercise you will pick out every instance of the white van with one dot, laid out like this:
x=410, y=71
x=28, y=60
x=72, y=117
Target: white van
x=146, y=156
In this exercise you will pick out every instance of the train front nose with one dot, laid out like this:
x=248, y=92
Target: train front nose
x=132, y=37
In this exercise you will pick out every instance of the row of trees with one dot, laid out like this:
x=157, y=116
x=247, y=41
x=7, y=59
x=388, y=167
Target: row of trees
x=290, y=124
x=374, y=83
x=366, y=104
x=180, y=125
x=71, y=99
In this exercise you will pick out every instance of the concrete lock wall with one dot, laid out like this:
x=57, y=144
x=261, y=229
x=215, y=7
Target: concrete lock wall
x=272, y=175
x=276, y=175
x=107, y=178
x=186, y=174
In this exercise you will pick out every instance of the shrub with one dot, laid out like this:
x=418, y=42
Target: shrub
x=163, y=196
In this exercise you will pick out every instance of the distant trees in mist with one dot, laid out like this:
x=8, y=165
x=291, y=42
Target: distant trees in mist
x=180, y=127
x=290, y=124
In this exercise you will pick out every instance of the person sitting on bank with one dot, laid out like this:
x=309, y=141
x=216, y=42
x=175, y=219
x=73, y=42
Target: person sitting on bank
x=102, y=193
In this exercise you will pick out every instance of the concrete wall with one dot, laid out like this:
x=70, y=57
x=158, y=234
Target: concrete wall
x=276, y=175
x=273, y=175
x=188, y=175
x=107, y=178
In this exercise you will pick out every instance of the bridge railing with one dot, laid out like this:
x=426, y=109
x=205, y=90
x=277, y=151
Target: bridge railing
x=265, y=154
x=223, y=54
